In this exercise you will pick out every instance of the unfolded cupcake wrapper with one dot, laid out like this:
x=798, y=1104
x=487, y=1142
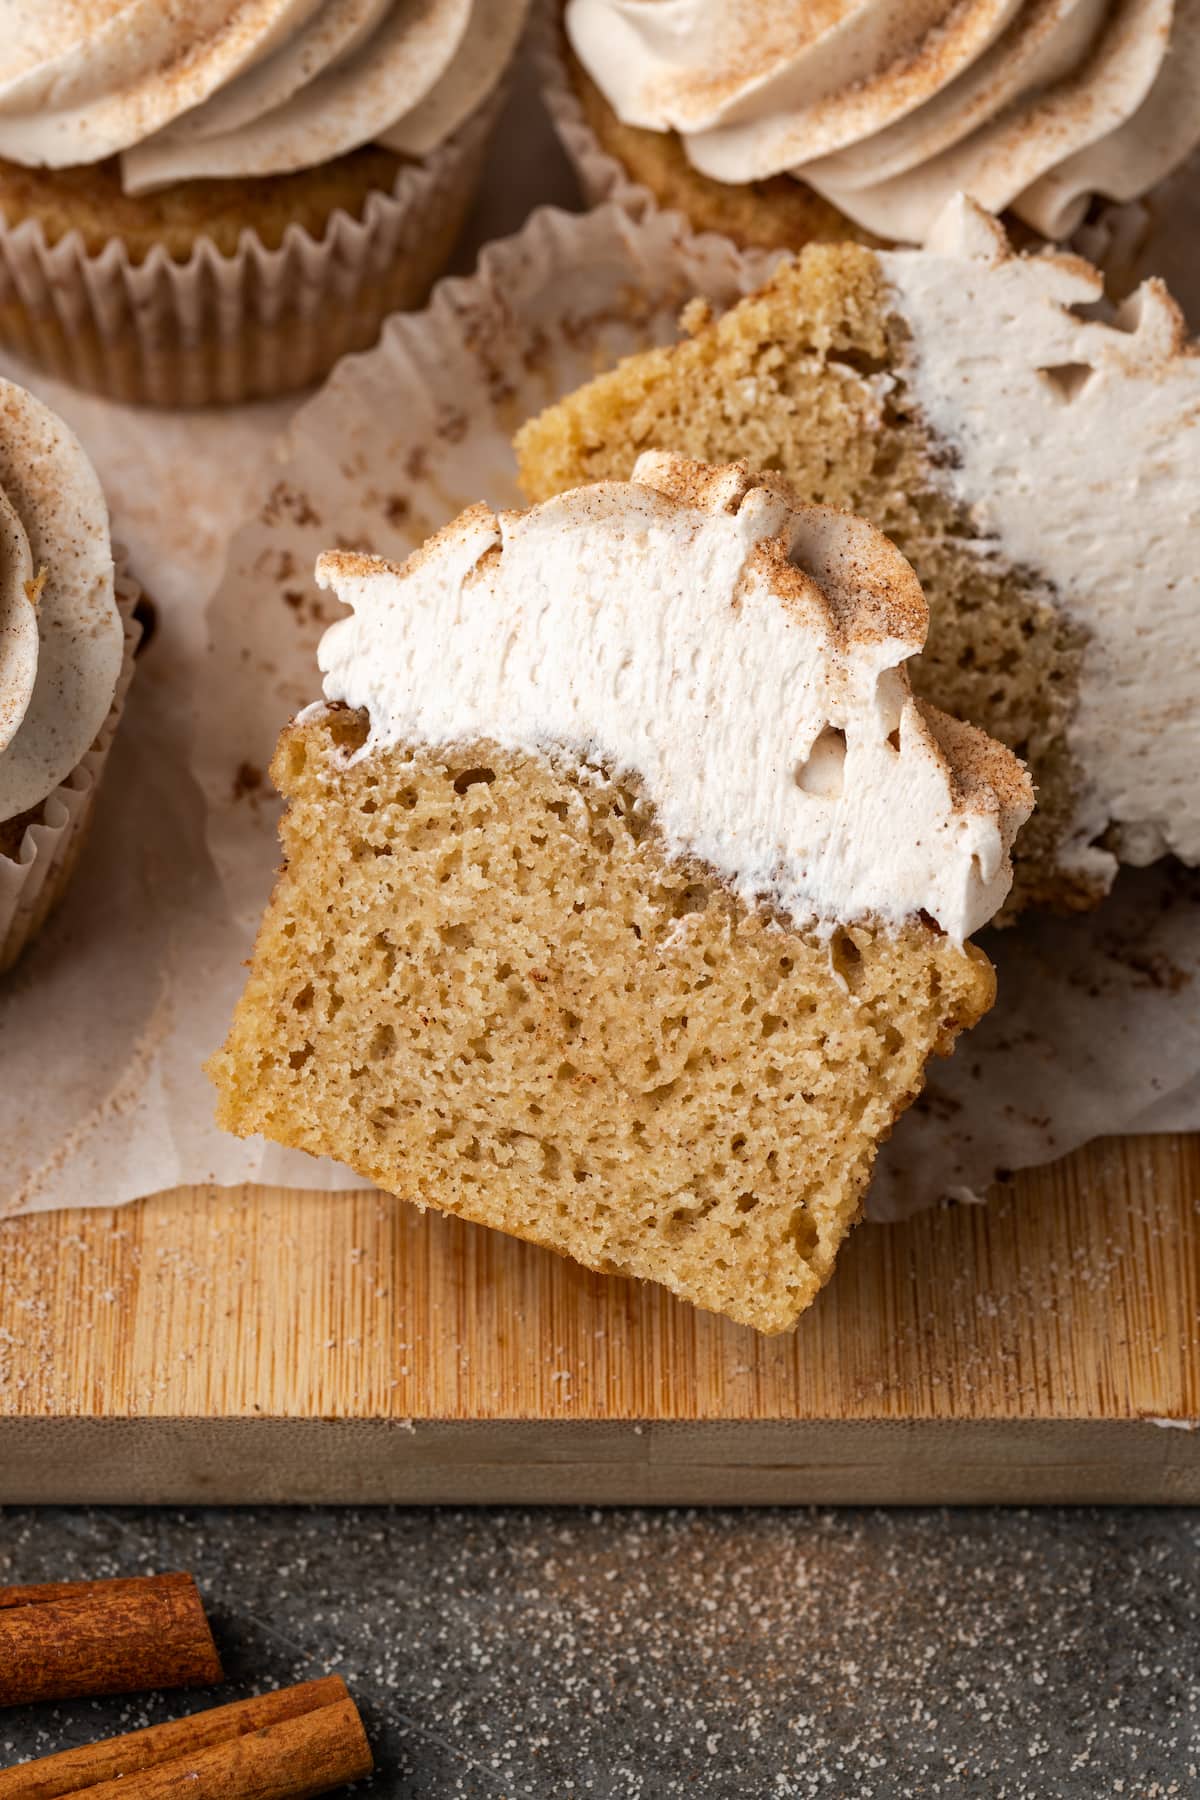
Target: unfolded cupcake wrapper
x=1125, y=242
x=32, y=884
x=221, y=328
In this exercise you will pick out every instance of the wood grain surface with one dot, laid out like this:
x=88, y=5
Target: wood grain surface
x=259, y=1343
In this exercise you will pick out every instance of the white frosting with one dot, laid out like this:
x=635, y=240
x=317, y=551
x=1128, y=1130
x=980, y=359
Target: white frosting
x=739, y=651
x=889, y=107
x=1078, y=453
x=61, y=637
x=182, y=91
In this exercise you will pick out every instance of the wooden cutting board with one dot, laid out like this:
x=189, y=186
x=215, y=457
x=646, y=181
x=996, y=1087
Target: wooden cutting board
x=260, y=1344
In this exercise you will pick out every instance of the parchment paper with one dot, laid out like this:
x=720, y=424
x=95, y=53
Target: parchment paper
x=103, y=1028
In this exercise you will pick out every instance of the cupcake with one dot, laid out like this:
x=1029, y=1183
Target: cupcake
x=628, y=889
x=214, y=203
x=782, y=124
x=1036, y=462
x=67, y=637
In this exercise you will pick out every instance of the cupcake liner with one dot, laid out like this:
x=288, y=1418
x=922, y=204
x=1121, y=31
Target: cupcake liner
x=224, y=328
x=1157, y=235
x=32, y=884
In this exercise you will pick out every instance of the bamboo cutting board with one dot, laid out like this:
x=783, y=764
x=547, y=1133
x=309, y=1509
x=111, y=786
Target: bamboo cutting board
x=260, y=1344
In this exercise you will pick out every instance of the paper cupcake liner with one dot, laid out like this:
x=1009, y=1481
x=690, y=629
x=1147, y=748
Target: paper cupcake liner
x=32, y=884
x=601, y=176
x=405, y=436
x=224, y=328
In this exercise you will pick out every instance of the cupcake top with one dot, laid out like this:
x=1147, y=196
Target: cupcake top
x=887, y=108
x=181, y=89
x=737, y=650
x=61, y=637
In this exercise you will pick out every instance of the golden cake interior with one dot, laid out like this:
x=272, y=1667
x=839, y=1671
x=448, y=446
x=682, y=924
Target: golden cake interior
x=778, y=382
x=483, y=983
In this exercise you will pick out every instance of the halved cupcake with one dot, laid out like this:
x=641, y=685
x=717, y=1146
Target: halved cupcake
x=1032, y=455
x=216, y=202
x=627, y=886
x=791, y=123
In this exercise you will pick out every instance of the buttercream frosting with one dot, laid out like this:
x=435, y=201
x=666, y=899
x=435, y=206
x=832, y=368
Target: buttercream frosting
x=61, y=637
x=181, y=89
x=739, y=651
x=889, y=107
x=1076, y=451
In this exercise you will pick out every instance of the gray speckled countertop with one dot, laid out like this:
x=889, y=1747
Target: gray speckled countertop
x=755, y=1654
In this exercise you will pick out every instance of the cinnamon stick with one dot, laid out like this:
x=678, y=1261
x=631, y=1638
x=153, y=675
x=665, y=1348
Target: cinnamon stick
x=67, y=1639
x=287, y=1745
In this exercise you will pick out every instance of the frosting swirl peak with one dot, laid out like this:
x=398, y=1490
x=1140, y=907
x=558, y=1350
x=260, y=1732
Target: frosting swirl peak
x=741, y=652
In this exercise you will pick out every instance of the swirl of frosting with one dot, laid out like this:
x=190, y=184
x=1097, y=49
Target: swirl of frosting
x=61, y=638
x=889, y=107
x=182, y=89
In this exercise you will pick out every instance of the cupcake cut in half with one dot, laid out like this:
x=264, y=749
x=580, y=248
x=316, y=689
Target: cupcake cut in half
x=1035, y=458
x=627, y=886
